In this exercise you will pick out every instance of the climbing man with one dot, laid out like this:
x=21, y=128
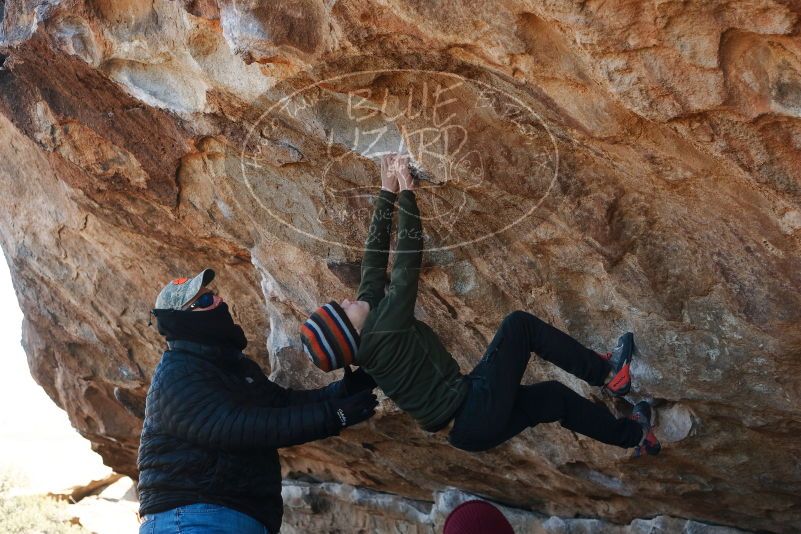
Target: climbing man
x=483, y=409
x=208, y=459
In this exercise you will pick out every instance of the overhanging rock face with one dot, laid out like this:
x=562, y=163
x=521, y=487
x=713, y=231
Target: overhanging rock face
x=608, y=166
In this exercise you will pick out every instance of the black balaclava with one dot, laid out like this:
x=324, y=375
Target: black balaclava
x=213, y=327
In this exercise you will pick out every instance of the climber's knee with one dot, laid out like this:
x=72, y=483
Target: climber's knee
x=516, y=320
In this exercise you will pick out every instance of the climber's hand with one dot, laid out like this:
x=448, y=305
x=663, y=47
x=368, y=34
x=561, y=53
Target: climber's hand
x=355, y=409
x=355, y=382
x=405, y=179
x=389, y=178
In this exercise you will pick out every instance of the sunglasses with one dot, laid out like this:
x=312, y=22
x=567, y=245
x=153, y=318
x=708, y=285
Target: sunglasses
x=205, y=300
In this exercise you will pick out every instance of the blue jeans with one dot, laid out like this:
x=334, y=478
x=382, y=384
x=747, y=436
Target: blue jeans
x=201, y=518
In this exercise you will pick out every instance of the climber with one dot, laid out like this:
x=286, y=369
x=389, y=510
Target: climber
x=410, y=364
x=208, y=459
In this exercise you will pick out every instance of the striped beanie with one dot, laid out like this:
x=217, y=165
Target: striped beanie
x=328, y=337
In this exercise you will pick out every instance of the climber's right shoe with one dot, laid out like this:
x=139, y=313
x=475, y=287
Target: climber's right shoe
x=649, y=444
x=620, y=362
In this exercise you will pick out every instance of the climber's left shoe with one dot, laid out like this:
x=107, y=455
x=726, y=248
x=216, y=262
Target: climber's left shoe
x=649, y=444
x=620, y=362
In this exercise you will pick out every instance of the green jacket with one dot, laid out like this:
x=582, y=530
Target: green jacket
x=403, y=355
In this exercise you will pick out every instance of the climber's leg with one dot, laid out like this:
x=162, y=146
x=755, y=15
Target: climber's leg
x=555, y=346
x=552, y=401
x=495, y=379
x=521, y=333
x=545, y=402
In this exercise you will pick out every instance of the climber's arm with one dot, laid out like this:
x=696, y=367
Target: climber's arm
x=397, y=308
x=376, y=250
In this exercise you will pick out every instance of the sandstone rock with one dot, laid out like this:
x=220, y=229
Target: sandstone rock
x=93, y=487
x=341, y=508
x=113, y=510
x=608, y=166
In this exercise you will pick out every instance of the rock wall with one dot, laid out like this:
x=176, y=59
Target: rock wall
x=331, y=507
x=608, y=166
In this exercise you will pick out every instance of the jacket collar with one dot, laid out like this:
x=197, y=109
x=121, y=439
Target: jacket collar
x=212, y=353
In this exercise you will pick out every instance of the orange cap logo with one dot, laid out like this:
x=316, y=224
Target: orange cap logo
x=179, y=281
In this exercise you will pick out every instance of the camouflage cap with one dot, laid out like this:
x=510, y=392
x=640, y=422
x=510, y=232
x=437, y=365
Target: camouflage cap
x=178, y=292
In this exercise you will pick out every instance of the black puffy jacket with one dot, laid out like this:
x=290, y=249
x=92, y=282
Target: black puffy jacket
x=213, y=422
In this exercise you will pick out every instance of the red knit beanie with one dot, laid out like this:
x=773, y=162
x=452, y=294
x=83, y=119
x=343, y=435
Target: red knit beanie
x=476, y=517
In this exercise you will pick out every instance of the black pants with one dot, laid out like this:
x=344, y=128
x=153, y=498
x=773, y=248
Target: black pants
x=498, y=407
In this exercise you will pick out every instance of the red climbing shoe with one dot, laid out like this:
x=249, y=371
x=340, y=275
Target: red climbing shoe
x=620, y=362
x=649, y=444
